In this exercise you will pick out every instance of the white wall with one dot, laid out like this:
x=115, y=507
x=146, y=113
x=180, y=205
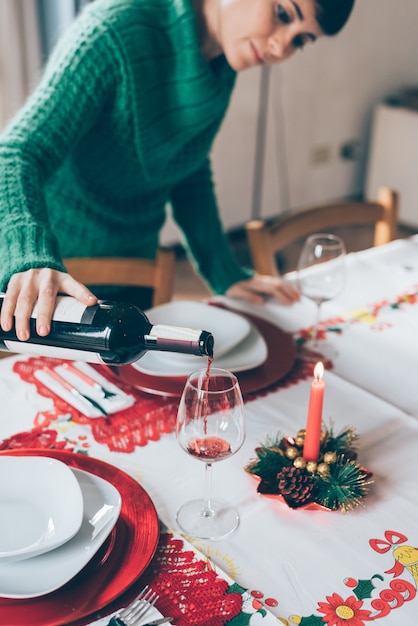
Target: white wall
x=20, y=54
x=330, y=90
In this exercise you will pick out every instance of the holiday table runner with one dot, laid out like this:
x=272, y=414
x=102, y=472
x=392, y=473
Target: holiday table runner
x=374, y=316
x=148, y=419
x=193, y=590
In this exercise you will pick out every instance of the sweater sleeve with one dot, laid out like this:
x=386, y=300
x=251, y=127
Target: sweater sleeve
x=74, y=88
x=196, y=212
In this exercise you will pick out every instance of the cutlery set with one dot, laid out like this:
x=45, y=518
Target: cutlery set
x=134, y=612
x=105, y=393
x=83, y=387
x=64, y=383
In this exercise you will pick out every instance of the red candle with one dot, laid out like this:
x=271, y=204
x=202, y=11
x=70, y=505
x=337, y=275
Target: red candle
x=314, y=421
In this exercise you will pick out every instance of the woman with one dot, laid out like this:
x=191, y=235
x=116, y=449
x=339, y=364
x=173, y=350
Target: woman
x=121, y=124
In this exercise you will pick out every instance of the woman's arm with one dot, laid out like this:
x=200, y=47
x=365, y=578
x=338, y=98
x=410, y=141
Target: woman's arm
x=195, y=211
x=75, y=87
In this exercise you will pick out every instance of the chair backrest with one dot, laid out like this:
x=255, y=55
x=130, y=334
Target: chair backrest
x=157, y=273
x=266, y=239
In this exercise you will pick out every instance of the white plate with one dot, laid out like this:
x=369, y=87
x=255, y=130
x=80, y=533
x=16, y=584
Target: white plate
x=45, y=573
x=41, y=506
x=228, y=328
x=249, y=353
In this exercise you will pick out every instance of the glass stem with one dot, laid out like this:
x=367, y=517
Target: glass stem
x=207, y=510
x=316, y=327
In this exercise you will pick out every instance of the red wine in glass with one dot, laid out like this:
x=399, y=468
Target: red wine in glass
x=209, y=449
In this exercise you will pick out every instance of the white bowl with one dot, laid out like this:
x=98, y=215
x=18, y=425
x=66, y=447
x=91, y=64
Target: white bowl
x=41, y=506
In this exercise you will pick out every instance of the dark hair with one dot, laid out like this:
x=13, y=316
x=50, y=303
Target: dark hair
x=331, y=15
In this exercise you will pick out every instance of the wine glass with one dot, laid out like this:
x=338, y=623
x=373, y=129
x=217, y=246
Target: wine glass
x=210, y=427
x=321, y=277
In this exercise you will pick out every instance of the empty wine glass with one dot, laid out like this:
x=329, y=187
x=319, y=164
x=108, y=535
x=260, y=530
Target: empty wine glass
x=210, y=427
x=321, y=277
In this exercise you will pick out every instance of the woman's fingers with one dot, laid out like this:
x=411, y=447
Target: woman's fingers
x=38, y=287
x=18, y=303
x=259, y=288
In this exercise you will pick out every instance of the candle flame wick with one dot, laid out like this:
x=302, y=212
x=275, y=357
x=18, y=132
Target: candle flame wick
x=319, y=370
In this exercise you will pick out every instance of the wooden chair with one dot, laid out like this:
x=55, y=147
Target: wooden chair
x=157, y=274
x=266, y=239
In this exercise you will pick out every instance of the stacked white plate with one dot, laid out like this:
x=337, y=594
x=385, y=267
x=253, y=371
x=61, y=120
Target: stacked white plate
x=53, y=520
x=238, y=344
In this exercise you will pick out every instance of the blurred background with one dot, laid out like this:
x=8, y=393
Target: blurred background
x=335, y=121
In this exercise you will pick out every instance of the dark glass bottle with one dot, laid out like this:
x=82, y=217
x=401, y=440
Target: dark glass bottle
x=114, y=333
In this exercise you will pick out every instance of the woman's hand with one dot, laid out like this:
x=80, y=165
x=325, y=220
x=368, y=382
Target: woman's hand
x=260, y=287
x=38, y=286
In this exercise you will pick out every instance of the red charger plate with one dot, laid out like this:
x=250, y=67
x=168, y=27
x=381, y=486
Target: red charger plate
x=121, y=560
x=281, y=355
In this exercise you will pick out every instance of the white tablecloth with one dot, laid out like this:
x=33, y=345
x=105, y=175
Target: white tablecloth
x=304, y=558
x=377, y=316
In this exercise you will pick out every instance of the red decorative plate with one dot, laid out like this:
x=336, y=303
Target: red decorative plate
x=280, y=359
x=122, y=559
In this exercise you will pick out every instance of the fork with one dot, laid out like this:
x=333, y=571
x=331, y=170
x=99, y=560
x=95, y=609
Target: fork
x=132, y=614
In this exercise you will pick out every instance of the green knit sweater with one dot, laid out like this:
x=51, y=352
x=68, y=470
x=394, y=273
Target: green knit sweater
x=119, y=127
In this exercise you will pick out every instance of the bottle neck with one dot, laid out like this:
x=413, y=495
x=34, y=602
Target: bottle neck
x=178, y=339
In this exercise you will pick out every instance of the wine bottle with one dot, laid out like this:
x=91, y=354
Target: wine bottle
x=114, y=333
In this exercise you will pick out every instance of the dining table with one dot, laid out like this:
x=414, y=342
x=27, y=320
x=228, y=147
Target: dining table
x=308, y=565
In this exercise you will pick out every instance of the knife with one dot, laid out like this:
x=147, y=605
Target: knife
x=156, y=622
x=106, y=393
x=68, y=386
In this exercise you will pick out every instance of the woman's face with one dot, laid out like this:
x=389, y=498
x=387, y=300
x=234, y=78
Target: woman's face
x=264, y=32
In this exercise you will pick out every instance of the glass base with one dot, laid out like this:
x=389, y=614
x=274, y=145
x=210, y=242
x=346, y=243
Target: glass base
x=217, y=523
x=321, y=350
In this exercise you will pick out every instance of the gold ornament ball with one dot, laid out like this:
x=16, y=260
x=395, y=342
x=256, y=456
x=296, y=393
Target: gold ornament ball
x=300, y=440
x=330, y=457
x=291, y=452
x=323, y=469
x=311, y=466
x=299, y=462
x=301, y=433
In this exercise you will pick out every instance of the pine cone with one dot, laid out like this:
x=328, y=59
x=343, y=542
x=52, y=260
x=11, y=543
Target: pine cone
x=295, y=485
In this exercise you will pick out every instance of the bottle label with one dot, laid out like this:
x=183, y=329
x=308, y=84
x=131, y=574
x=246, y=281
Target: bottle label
x=67, y=309
x=52, y=351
